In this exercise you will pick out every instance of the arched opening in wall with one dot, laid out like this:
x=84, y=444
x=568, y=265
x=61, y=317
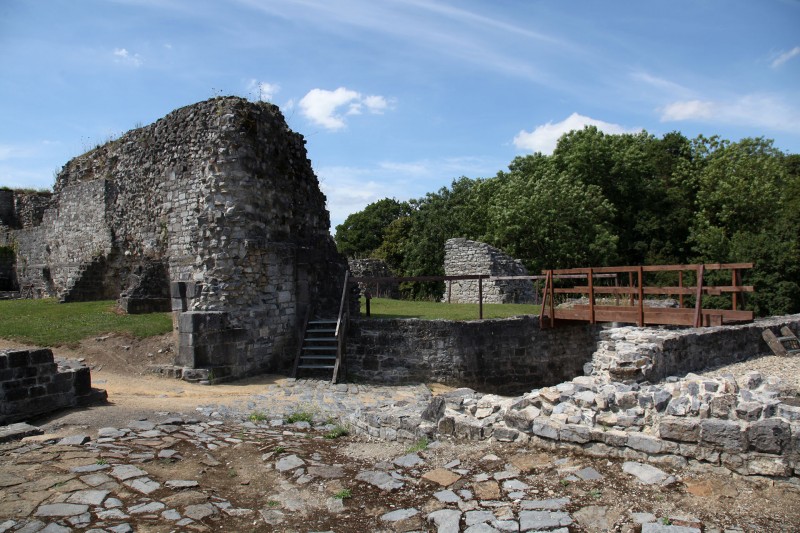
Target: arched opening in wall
x=8, y=269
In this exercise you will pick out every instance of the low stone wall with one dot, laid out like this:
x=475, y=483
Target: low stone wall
x=32, y=384
x=748, y=424
x=653, y=354
x=504, y=355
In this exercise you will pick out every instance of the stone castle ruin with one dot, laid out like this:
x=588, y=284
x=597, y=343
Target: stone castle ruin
x=465, y=257
x=213, y=212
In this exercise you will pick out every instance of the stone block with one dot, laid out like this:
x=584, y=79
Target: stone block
x=725, y=434
x=575, y=433
x=769, y=436
x=680, y=429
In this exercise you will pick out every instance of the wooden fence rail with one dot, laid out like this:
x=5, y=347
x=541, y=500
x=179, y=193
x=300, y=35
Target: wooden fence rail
x=635, y=310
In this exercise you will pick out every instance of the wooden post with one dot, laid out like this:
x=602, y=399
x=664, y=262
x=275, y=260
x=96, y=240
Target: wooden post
x=616, y=285
x=449, y=289
x=552, y=302
x=591, y=297
x=630, y=286
x=698, y=305
x=544, y=298
x=641, y=297
x=735, y=283
x=680, y=284
x=480, y=297
x=367, y=297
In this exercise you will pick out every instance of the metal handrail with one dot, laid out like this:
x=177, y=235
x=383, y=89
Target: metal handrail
x=341, y=304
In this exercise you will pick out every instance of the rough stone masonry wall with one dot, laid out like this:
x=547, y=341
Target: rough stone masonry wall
x=32, y=383
x=465, y=257
x=221, y=193
x=504, y=355
x=748, y=424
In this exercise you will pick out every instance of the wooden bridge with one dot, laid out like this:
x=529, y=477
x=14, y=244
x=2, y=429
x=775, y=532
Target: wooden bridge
x=629, y=301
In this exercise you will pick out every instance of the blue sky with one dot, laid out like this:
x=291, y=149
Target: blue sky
x=396, y=98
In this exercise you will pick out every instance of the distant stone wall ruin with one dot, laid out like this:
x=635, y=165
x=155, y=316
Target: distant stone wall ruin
x=466, y=257
x=214, y=211
x=374, y=268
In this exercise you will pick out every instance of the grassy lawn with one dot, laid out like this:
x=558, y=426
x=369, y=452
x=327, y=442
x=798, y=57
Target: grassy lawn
x=49, y=323
x=386, y=308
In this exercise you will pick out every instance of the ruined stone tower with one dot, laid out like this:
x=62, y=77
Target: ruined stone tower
x=214, y=212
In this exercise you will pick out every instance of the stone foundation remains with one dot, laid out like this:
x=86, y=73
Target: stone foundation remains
x=32, y=384
x=213, y=211
x=504, y=355
x=749, y=425
x=465, y=257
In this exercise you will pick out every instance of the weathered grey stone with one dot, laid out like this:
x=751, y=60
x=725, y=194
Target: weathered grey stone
x=649, y=475
x=200, y=511
x=408, y=461
x=680, y=429
x=400, y=514
x=554, y=504
x=724, y=433
x=538, y=520
x=61, y=509
x=446, y=520
x=382, y=480
x=88, y=497
x=125, y=472
x=146, y=508
x=180, y=484
x=655, y=527
x=289, y=462
x=769, y=436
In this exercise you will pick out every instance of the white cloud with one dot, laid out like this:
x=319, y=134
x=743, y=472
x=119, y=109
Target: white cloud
x=262, y=91
x=122, y=56
x=688, y=110
x=328, y=108
x=786, y=56
x=545, y=137
x=756, y=110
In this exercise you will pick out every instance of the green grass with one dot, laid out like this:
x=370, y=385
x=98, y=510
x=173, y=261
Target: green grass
x=336, y=432
x=300, y=416
x=49, y=323
x=343, y=494
x=421, y=444
x=386, y=308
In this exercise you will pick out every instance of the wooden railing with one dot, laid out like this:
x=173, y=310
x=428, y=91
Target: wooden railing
x=634, y=308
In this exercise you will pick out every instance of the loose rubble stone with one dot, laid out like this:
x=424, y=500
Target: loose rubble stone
x=382, y=480
x=649, y=475
x=290, y=462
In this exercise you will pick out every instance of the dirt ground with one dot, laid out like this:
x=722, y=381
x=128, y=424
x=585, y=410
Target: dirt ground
x=242, y=475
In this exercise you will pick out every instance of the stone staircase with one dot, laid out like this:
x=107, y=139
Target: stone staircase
x=318, y=352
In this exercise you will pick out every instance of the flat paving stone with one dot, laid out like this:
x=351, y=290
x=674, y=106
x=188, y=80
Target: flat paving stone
x=147, y=508
x=538, y=520
x=446, y=520
x=646, y=474
x=61, y=509
x=143, y=484
x=74, y=440
x=290, y=462
x=408, y=461
x=88, y=497
x=400, y=514
x=124, y=472
x=180, y=484
x=382, y=480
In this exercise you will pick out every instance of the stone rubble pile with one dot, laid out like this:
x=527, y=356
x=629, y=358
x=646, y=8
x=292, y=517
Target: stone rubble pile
x=749, y=425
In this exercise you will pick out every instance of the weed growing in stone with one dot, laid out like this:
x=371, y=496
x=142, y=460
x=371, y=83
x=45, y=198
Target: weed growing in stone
x=336, y=432
x=564, y=482
x=343, y=494
x=101, y=461
x=257, y=416
x=300, y=416
x=279, y=449
x=232, y=473
x=596, y=493
x=421, y=444
x=273, y=503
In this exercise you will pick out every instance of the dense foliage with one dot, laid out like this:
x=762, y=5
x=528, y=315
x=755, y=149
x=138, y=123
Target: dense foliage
x=609, y=200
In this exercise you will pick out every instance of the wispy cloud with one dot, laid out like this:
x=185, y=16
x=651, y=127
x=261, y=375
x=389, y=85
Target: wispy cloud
x=262, y=91
x=661, y=84
x=124, y=57
x=757, y=110
x=544, y=137
x=329, y=108
x=785, y=56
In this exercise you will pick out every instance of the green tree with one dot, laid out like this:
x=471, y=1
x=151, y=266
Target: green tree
x=550, y=219
x=362, y=232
